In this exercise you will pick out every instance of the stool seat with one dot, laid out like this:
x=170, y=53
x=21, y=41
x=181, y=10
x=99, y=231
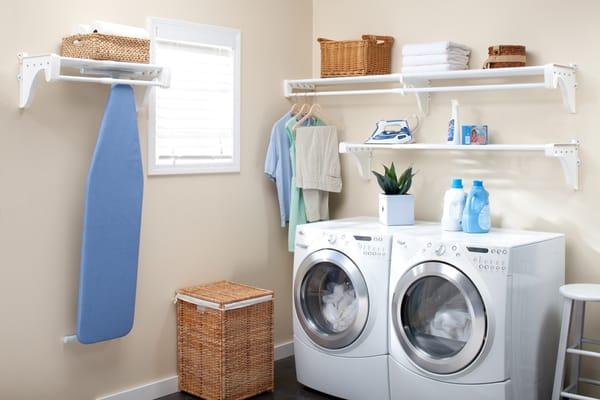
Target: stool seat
x=581, y=291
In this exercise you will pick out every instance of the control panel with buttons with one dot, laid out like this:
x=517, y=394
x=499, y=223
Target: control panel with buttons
x=493, y=260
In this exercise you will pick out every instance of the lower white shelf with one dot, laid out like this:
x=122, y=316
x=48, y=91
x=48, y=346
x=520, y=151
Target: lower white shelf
x=567, y=153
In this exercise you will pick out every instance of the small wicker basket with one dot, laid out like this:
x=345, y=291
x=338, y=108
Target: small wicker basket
x=370, y=56
x=97, y=46
x=505, y=56
x=225, y=341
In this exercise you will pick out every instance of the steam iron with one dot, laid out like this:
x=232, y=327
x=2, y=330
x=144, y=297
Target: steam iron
x=393, y=131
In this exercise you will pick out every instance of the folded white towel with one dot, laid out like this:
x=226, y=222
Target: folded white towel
x=434, y=67
x=82, y=29
x=446, y=58
x=434, y=48
x=109, y=28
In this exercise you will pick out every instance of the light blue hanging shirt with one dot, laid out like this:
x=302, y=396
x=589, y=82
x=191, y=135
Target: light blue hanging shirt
x=278, y=166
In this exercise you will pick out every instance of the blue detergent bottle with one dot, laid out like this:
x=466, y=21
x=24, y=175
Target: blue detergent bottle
x=476, y=216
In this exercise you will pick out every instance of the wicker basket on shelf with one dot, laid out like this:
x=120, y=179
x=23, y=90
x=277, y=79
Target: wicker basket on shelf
x=370, y=56
x=97, y=46
x=505, y=56
x=225, y=340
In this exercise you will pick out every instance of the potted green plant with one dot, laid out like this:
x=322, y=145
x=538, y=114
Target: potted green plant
x=396, y=205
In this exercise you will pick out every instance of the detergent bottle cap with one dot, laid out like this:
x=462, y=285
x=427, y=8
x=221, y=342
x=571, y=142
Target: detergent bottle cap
x=477, y=183
x=457, y=183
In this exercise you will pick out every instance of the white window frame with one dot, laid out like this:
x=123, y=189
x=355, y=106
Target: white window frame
x=189, y=33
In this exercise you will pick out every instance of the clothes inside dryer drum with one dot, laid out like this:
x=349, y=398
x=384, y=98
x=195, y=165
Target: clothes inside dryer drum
x=436, y=316
x=330, y=298
x=340, y=306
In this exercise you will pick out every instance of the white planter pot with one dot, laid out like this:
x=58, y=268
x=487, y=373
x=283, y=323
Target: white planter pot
x=397, y=209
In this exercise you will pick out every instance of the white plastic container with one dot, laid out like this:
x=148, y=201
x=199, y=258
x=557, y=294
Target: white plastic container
x=454, y=133
x=454, y=205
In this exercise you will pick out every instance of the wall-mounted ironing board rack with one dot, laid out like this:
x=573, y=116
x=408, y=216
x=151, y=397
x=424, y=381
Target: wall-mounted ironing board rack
x=422, y=84
x=57, y=68
x=567, y=153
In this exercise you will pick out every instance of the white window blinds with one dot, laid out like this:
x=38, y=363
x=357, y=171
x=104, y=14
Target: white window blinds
x=195, y=122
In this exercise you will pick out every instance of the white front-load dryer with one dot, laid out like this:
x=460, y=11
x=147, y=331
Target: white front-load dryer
x=474, y=317
x=340, y=289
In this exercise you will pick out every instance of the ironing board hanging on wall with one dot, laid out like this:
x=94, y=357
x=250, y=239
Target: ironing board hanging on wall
x=111, y=224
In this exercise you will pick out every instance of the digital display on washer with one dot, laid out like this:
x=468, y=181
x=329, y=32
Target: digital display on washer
x=478, y=249
x=363, y=238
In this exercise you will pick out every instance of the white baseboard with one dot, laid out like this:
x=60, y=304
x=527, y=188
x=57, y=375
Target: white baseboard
x=149, y=391
x=284, y=350
x=164, y=387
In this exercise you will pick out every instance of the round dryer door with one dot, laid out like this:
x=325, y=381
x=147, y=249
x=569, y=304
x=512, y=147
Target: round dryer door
x=439, y=317
x=331, y=299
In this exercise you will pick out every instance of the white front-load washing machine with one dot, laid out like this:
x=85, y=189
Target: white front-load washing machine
x=340, y=289
x=474, y=317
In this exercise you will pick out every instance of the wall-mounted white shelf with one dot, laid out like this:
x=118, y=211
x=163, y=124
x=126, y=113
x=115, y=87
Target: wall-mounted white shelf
x=57, y=68
x=567, y=153
x=422, y=84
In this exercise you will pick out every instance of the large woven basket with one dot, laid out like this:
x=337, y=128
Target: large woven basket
x=370, y=56
x=225, y=341
x=505, y=56
x=97, y=46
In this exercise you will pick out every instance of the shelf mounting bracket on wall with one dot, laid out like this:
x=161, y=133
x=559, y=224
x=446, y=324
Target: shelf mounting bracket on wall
x=568, y=155
x=55, y=67
x=563, y=78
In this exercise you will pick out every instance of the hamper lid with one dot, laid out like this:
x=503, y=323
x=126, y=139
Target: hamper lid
x=224, y=294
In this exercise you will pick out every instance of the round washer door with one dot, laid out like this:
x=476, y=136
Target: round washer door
x=331, y=299
x=439, y=317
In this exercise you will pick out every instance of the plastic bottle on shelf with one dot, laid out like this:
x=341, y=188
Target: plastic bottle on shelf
x=454, y=133
x=454, y=205
x=476, y=215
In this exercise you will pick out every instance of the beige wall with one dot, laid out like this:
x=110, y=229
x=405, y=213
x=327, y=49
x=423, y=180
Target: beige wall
x=527, y=191
x=195, y=228
x=202, y=228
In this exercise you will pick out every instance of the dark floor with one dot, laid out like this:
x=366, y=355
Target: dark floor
x=286, y=386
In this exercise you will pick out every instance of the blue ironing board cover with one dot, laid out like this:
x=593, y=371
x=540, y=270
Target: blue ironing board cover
x=111, y=224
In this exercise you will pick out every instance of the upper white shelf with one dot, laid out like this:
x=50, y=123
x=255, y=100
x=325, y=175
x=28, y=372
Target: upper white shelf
x=567, y=153
x=549, y=76
x=57, y=68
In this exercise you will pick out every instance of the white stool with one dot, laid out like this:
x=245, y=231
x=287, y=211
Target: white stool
x=576, y=296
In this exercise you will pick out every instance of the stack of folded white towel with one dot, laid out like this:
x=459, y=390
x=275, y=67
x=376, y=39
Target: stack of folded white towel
x=109, y=28
x=437, y=56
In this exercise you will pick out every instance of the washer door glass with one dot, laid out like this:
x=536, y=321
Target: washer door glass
x=439, y=317
x=331, y=299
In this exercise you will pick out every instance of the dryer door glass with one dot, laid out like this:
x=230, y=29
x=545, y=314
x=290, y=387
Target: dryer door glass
x=439, y=317
x=331, y=299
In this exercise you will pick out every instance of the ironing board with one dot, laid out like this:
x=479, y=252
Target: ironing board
x=111, y=224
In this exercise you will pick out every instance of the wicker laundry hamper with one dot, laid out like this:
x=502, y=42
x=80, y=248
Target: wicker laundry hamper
x=225, y=340
x=97, y=46
x=372, y=55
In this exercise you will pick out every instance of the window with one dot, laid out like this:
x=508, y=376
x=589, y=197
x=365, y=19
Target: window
x=194, y=125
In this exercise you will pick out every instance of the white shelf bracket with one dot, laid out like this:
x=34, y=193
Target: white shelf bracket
x=563, y=78
x=362, y=157
x=29, y=70
x=568, y=154
x=288, y=88
x=423, y=98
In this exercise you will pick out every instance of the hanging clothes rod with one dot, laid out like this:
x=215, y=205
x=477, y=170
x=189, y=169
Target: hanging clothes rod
x=410, y=90
x=55, y=69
